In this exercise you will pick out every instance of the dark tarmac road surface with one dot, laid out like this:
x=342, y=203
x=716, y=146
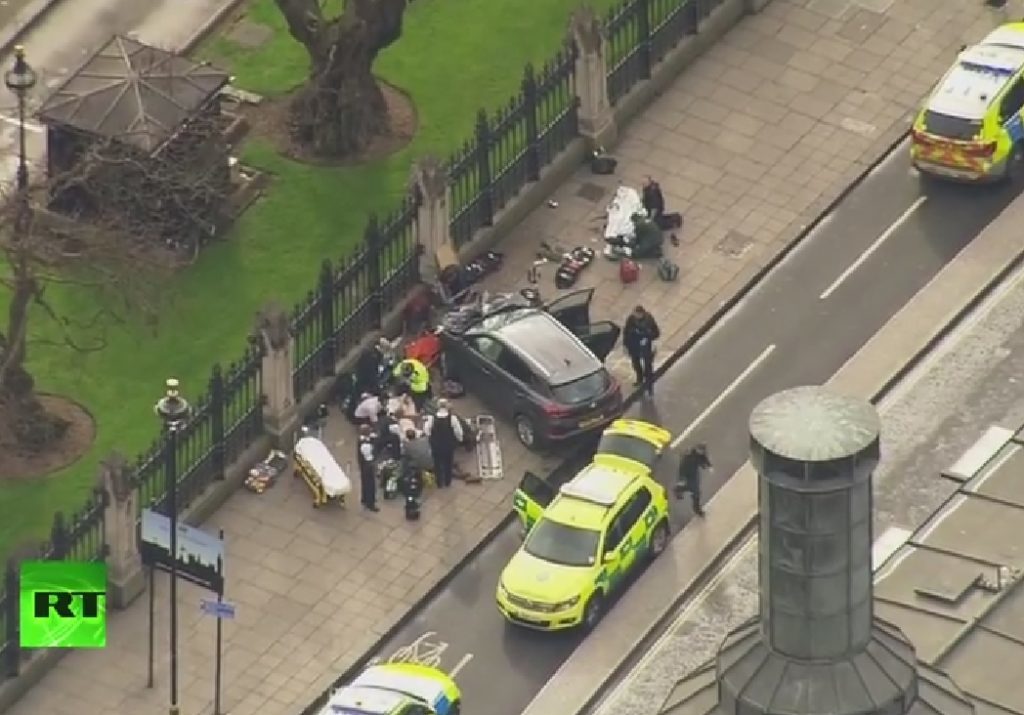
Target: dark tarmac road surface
x=882, y=244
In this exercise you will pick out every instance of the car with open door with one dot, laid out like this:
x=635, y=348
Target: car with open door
x=542, y=368
x=585, y=541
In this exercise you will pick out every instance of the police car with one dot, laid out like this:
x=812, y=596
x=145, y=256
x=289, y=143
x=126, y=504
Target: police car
x=397, y=689
x=584, y=541
x=970, y=128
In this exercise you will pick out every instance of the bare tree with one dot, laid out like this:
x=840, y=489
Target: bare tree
x=341, y=107
x=112, y=254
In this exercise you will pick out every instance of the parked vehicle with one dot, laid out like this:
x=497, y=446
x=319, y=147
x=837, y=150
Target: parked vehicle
x=397, y=689
x=543, y=368
x=584, y=542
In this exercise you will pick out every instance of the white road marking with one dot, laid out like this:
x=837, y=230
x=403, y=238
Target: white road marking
x=993, y=468
x=723, y=395
x=460, y=665
x=30, y=126
x=872, y=248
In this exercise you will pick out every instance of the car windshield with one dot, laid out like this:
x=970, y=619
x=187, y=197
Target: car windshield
x=639, y=450
x=563, y=544
x=586, y=388
x=943, y=125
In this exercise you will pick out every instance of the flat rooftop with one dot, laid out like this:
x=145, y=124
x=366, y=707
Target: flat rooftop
x=955, y=588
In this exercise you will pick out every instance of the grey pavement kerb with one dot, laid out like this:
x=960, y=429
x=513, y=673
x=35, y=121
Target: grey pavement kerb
x=874, y=370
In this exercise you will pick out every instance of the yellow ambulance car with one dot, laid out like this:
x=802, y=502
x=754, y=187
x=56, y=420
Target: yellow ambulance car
x=970, y=128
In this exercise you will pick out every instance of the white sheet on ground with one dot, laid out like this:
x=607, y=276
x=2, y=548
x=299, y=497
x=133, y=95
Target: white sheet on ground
x=332, y=476
x=620, y=212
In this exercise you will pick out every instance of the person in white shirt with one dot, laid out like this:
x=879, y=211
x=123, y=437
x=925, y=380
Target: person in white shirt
x=368, y=408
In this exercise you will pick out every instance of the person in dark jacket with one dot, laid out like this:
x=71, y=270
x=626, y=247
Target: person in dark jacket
x=444, y=431
x=367, y=370
x=652, y=198
x=692, y=463
x=389, y=440
x=366, y=456
x=638, y=336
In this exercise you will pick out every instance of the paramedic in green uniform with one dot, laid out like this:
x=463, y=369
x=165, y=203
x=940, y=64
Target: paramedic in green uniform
x=414, y=377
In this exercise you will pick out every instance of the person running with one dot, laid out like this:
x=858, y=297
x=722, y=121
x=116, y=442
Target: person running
x=693, y=462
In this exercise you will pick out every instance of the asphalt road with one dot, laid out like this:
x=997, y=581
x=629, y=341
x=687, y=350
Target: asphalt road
x=880, y=246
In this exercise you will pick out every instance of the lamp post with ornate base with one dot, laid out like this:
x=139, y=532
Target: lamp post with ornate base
x=20, y=80
x=173, y=410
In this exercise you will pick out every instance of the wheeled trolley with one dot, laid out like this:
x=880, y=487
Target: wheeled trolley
x=488, y=449
x=321, y=472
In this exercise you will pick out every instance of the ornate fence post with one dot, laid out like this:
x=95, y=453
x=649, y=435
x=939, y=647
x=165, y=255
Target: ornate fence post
x=430, y=183
x=218, y=408
x=374, y=274
x=483, y=169
x=327, y=318
x=60, y=540
x=597, y=120
x=11, y=635
x=125, y=577
x=532, y=131
x=642, y=8
x=273, y=336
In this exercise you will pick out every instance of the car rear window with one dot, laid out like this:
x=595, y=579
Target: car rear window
x=582, y=390
x=629, y=447
x=949, y=127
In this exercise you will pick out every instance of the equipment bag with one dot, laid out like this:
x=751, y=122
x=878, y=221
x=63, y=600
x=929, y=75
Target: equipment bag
x=566, y=277
x=629, y=271
x=667, y=270
x=603, y=164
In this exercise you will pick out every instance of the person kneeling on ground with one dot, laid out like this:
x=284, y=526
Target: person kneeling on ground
x=648, y=239
x=653, y=200
x=414, y=380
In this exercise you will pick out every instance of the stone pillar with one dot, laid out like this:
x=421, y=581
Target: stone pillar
x=756, y=6
x=125, y=577
x=273, y=334
x=430, y=182
x=597, y=120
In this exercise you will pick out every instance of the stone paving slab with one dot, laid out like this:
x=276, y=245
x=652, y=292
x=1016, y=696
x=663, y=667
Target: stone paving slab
x=750, y=144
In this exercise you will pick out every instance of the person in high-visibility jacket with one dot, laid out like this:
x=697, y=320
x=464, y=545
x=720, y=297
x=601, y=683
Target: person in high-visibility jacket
x=415, y=377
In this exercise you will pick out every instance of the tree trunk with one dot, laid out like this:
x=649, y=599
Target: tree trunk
x=33, y=429
x=341, y=108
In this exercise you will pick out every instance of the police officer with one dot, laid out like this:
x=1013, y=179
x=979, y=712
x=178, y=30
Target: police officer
x=415, y=378
x=444, y=431
x=691, y=464
x=367, y=458
x=638, y=336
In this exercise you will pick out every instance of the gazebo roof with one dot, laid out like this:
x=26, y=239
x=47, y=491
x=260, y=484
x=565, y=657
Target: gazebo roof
x=134, y=93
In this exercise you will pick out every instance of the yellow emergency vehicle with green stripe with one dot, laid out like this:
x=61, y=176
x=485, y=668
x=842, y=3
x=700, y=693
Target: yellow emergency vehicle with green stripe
x=397, y=689
x=970, y=128
x=584, y=540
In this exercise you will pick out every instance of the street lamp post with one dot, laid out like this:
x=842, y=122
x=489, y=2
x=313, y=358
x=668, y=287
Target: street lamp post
x=173, y=410
x=21, y=79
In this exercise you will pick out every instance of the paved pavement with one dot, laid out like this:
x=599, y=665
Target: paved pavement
x=746, y=170
x=937, y=413
x=797, y=327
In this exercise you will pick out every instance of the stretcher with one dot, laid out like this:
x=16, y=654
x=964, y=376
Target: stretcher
x=488, y=449
x=320, y=471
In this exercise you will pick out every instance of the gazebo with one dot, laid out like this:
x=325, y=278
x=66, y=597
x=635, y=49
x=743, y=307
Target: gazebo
x=150, y=104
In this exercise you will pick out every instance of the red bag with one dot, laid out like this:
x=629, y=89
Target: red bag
x=629, y=271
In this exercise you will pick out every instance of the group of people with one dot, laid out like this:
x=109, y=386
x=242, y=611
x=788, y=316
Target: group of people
x=648, y=237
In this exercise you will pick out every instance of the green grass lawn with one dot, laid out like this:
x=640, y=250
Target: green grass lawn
x=454, y=57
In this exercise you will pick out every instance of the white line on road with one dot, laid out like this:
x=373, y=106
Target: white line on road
x=30, y=126
x=724, y=394
x=461, y=664
x=872, y=248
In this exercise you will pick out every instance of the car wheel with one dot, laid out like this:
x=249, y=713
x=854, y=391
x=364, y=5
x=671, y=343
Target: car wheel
x=526, y=431
x=659, y=539
x=594, y=612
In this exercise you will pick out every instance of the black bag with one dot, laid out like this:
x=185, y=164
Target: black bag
x=667, y=270
x=566, y=277
x=669, y=222
x=603, y=165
